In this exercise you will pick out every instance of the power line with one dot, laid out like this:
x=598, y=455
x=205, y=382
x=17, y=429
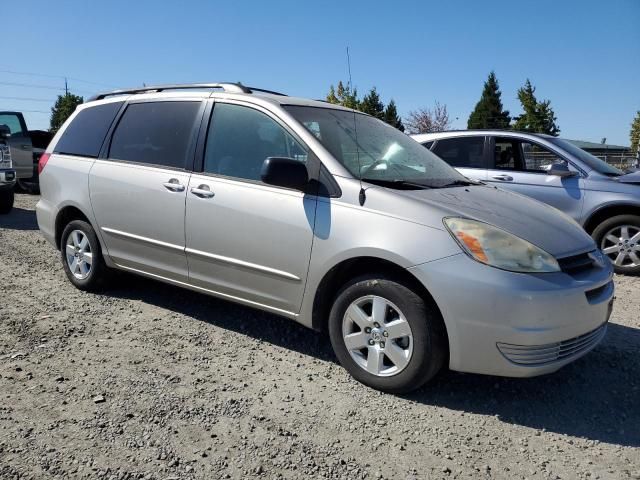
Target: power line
x=48, y=87
x=45, y=75
x=30, y=99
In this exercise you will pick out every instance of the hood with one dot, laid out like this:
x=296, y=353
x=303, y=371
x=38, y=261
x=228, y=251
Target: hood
x=633, y=177
x=536, y=222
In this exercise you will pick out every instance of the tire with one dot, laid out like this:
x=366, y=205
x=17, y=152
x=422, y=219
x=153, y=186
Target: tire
x=6, y=200
x=89, y=279
x=426, y=350
x=614, y=228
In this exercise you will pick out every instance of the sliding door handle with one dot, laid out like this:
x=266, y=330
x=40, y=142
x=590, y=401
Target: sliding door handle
x=503, y=178
x=203, y=191
x=174, y=185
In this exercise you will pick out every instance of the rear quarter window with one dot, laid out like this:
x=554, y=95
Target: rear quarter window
x=85, y=134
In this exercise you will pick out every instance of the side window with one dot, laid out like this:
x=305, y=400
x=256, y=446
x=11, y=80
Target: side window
x=466, y=152
x=157, y=133
x=506, y=154
x=537, y=158
x=241, y=138
x=12, y=121
x=428, y=145
x=85, y=134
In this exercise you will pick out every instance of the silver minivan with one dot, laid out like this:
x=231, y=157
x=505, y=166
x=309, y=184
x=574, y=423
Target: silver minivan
x=599, y=196
x=326, y=216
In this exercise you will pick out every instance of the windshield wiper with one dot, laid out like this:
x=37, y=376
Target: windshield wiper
x=396, y=183
x=459, y=183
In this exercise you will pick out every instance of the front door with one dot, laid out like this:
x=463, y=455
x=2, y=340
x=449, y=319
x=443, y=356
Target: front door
x=247, y=240
x=521, y=166
x=138, y=192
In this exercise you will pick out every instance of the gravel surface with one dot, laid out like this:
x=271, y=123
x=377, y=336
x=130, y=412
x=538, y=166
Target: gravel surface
x=149, y=381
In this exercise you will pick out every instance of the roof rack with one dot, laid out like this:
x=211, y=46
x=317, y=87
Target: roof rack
x=227, y=87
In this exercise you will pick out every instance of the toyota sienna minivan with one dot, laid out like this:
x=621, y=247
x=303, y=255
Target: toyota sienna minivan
x=326, y=216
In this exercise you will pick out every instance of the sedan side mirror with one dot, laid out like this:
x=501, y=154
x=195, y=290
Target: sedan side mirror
x=285, y=172
x=560, y=169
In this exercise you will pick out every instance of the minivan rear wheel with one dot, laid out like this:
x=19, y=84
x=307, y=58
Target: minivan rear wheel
x=619, y=239
x=82, y=257
x=385, y=335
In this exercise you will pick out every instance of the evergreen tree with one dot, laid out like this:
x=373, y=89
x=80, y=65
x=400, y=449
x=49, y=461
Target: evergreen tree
x=391, y=116
x=331, y=96
x=65, y=105
x=343, y=95
x=538, y=117
x=634, y=134
x=489, y=112
x=372, y=105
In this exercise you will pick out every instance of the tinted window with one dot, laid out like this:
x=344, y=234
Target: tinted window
x=240, y=140
x=12, y=121
x=85, y=134
x=428, y=144
x=464, y=152
x=522, y=156
x=157, y=133
x=591, y=161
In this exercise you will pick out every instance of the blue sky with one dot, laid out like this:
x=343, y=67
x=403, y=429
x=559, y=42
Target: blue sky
x=582, y=55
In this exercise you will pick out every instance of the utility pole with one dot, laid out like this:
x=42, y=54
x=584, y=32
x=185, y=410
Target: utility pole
x=66, y=88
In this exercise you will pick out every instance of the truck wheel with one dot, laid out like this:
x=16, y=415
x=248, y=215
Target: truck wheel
x=619, y=238
x=6, y=200
x=82, y=257
x=386, y=336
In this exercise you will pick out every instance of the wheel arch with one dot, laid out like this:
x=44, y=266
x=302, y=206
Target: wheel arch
x=67, y=214
x=608, y=211
x=337, y=276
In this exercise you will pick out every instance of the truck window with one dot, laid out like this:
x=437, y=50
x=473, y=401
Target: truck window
x=12, y=121
x=85, y=134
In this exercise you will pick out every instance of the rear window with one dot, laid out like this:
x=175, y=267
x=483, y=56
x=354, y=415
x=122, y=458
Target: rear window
x=156, y=133
x=85, y=134
x=464, y=152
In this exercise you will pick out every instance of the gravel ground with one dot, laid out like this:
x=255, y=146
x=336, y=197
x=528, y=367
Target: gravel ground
x=148, y=381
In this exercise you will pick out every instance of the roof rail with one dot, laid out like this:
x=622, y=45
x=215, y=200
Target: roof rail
x=227, y=87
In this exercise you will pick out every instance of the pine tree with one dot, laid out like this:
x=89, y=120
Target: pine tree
x=391, y=116
x=346, y=97
x=634, y=134
x=372, y=105
x=331, y=96
x=538, y=117
x=65, y=105
x=489, y=112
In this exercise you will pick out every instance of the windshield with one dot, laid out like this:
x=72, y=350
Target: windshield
x=383, y=155
x=593, y=162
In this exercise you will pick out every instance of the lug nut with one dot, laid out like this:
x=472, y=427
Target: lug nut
x=376, y=324
x=381, y=344
x=385, y=333
x=371, y=342
x=367, y=330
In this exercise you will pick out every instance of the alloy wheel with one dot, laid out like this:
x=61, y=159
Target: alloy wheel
x=377, y=335
x=78, y=254
x=622, y=245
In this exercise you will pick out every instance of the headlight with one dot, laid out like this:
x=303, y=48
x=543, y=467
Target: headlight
x=492, y=246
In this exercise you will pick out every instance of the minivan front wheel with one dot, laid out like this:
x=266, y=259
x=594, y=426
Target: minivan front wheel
x=81, y=256
x=619, y=239
x=386, y=336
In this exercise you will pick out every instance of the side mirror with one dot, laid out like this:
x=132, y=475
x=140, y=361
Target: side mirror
x=560, y=169
x=285, y=172
x=5, y=132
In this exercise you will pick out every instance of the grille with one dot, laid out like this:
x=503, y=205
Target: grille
x=538, y=355
x=576, y=263
x=5, y=156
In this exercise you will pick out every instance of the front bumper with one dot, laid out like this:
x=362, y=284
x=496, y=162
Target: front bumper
x=515, y=324
x=7, y=178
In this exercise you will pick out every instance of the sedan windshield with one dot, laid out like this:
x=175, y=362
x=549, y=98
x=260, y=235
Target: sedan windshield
x=595, y=163
x=376, y=152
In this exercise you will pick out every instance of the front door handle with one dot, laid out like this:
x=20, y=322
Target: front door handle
x=203, y=191
x=504, y=178
x=174, y=185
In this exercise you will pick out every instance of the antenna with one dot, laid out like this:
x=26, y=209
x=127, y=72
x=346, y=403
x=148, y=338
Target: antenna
x=362, y=195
